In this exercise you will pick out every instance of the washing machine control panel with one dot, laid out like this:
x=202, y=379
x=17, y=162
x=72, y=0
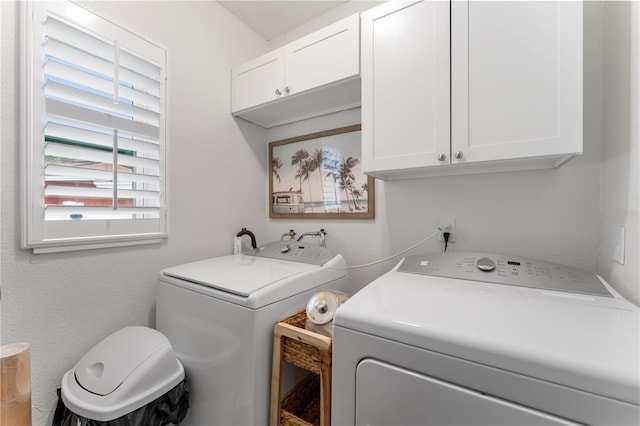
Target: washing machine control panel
x=505, y=269
x=295, y=251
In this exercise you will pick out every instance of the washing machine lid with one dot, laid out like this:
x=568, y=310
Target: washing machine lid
x=586, y=342
x=241, y=275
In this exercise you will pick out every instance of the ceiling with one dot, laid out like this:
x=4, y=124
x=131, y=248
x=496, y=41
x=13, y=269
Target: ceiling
x=271, y=18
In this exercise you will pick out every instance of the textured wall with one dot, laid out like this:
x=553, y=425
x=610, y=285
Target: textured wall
x=620, y=207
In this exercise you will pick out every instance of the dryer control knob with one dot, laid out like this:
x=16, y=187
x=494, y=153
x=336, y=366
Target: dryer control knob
x=485, y=264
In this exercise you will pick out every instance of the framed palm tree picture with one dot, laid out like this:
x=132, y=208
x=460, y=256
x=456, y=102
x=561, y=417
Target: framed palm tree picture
x=319, y=175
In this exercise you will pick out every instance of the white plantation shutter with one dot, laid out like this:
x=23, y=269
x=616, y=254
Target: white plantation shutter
x=94, y=148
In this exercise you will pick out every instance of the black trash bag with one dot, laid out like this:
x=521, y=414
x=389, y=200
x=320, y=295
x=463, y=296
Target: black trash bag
x=169, y=409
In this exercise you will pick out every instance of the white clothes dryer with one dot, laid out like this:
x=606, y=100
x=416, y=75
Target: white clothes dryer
x=219, y=316
x=486, y=339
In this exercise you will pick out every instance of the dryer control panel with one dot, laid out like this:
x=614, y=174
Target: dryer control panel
x=295, y=251
x=505, y=269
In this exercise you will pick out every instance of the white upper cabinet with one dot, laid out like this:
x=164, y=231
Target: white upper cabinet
x=258, y=81
x=315, y=75
x=324, y=57
x=405, y=86
x=506, y=81
x=516, y=79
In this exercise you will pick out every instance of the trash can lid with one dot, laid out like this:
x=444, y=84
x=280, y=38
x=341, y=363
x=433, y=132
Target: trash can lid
x=106, y=366
x=122, y=373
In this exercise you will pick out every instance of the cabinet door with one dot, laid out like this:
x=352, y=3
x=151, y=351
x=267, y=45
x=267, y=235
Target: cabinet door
x=516, y=79
x=326, y=56
x=405, y=86
x=257, y=81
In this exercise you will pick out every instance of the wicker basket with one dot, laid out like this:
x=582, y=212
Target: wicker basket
x=309, y=402
x=301, y=405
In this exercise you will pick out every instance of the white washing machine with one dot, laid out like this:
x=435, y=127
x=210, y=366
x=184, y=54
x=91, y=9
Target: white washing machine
x=219, y=315
x=484, y=339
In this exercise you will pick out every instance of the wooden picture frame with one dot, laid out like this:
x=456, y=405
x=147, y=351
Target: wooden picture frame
x=319, y=176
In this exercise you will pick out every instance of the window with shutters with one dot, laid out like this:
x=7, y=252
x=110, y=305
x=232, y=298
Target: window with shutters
x=94, y=144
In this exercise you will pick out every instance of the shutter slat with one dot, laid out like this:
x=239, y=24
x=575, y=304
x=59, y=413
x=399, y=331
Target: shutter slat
x=139, y=65
x=58, y=70
x=79, y=172
x=141, y=195
x=140, y=82
x=56, y=212
x=140, y=99
x=78, y=153
x=100, y=103
x=66, y=110
x=77, y=191
x=92, y=192
x=83, y=98
x=80, y=39
x=151, y=149
x=68, y=54
x=79, y=134
x=77, y=196
x=138, y=178
x=150, y=166
x=71, y=172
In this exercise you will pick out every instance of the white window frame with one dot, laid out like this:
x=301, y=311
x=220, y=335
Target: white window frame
x=65, y=235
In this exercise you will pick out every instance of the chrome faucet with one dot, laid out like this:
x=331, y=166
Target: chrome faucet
x=320, y=234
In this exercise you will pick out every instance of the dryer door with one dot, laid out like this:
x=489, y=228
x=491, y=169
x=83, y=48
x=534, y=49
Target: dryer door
x=389, y=395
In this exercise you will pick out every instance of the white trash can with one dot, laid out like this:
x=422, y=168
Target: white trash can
x=132, y=377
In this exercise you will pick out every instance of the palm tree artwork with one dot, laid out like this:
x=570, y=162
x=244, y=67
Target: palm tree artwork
x=320, y=174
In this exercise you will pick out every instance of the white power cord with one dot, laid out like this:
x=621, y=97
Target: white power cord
x=397, y=254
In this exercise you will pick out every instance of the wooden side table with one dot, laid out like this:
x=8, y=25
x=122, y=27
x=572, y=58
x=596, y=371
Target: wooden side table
x=309, y=402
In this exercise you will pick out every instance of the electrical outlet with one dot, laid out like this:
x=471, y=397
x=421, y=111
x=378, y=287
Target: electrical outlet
x=448, y=225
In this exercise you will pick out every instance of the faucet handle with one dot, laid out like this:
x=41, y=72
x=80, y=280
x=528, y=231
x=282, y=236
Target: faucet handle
x=322, y=234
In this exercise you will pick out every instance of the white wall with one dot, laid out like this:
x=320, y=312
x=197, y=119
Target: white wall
x=62, y=304
x=619, y=187
x=550, y=214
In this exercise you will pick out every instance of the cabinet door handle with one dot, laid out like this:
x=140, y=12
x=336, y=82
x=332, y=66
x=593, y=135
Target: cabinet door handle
x=278, y=92
x=459, y=154
x=286, y=90
x=442, y=156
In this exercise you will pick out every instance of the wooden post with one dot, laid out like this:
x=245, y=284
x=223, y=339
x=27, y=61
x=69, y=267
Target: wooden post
x=276, y=378
x=15, y=385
